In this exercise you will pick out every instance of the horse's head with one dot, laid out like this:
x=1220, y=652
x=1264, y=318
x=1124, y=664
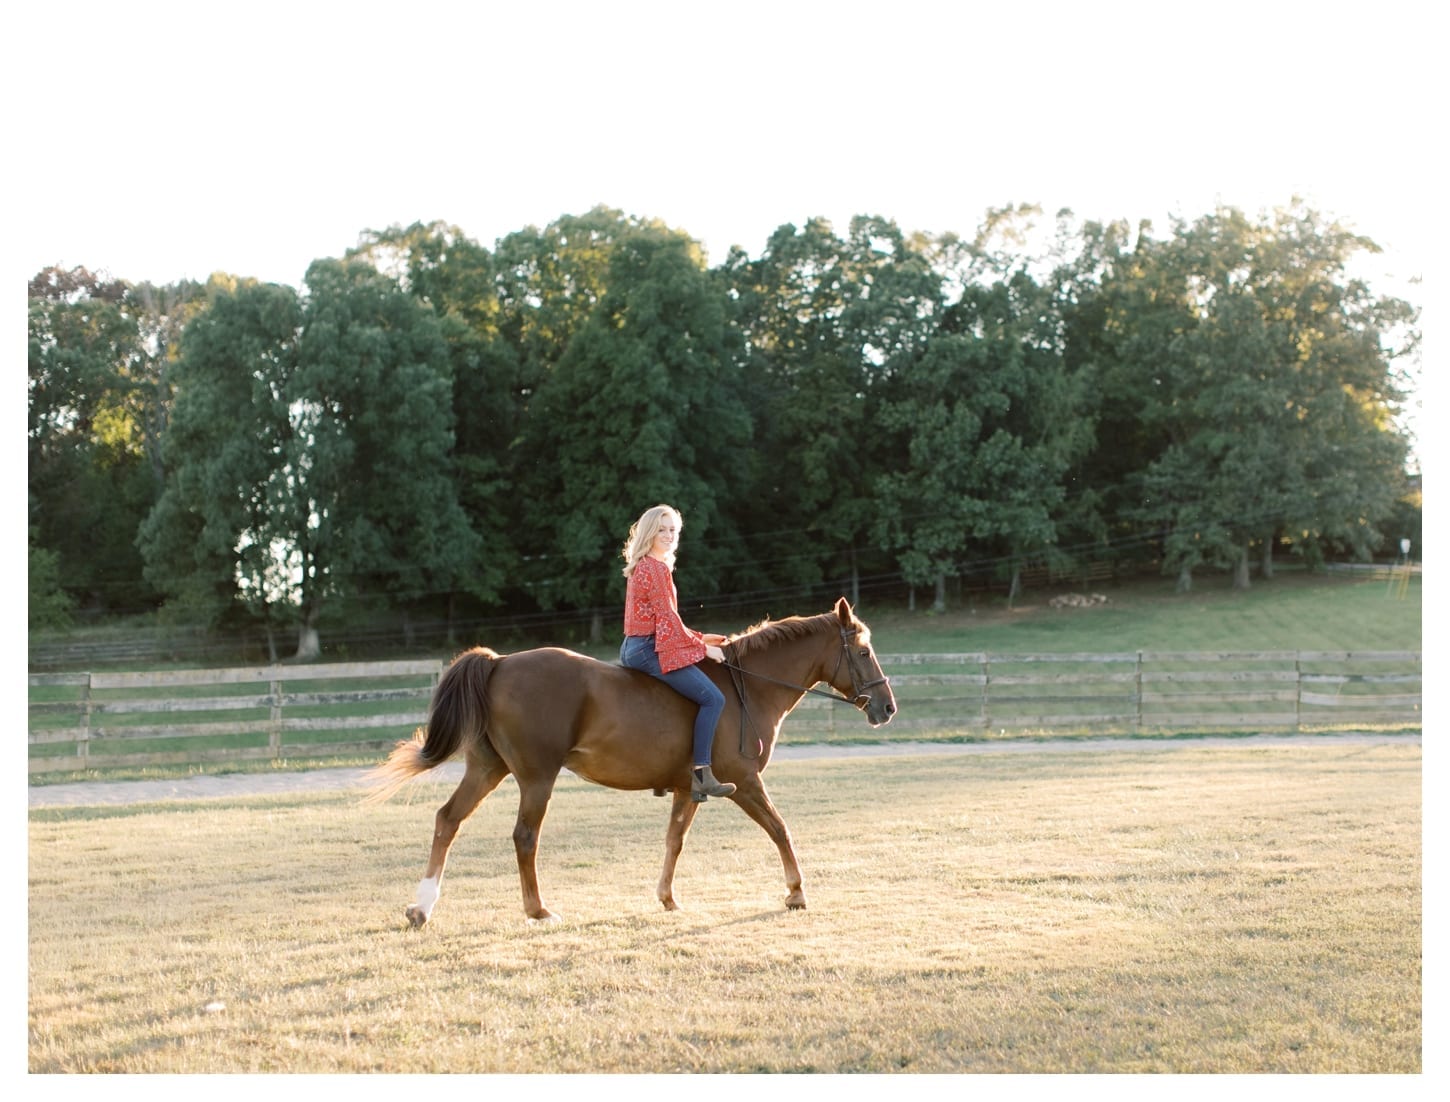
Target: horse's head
x=858, y=676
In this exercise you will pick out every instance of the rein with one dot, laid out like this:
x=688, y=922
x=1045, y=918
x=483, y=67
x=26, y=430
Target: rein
x=859, y=688
x=834, y=697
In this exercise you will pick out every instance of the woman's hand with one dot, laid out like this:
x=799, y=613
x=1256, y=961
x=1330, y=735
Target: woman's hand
x=712, y=640
x=714, y=653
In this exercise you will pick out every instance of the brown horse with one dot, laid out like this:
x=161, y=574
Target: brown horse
x=539, y=711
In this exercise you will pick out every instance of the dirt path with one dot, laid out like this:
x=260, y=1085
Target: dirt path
x=230, y=785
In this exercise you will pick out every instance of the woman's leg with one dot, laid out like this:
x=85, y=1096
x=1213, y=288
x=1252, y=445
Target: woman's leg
x=692, y=683
x=637, y=652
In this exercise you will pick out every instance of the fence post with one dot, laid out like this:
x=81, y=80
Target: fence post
x=1298, y=692
x=987, y=693
x=274, y=729
x=83, y=744
x=1138, y=694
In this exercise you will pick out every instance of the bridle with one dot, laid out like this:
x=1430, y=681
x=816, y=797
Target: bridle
x=860, y=697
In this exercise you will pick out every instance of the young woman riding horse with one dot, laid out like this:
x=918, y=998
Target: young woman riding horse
x=657, y=641
x=534, y=713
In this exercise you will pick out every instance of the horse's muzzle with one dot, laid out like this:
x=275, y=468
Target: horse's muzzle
x=878, y=713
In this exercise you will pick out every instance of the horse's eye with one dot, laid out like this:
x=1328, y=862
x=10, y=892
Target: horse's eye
x=865, y=654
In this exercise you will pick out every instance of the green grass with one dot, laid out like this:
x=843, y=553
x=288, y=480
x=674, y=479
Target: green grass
x=1293, y=611
x=1189, y=909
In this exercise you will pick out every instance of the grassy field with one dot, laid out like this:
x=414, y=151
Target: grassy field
x=1293, y=611
x=1181, y=909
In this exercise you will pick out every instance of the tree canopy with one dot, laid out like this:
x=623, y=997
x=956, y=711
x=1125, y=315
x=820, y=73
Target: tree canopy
x=430, y=427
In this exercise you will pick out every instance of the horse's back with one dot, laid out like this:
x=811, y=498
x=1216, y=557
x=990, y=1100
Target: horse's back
x=547, y=688
x=552, y=708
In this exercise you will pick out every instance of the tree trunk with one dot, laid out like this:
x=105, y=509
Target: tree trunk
x=1014, y=590
x=1241, y=569
x=911, y=598
x=596, y=627
x=1185, y=579
x=309, y=645
x=940, y=604
x=1266, y=563
x=855, y=580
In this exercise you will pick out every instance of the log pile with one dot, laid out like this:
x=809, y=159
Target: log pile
x=1078, y=600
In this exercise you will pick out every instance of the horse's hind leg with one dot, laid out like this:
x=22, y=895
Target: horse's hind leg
x=754, y=802
x=682, y=814
x=482, y=776
x=533, y=802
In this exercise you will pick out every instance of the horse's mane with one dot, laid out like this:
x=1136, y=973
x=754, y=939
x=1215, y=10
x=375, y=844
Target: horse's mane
x=768, y=631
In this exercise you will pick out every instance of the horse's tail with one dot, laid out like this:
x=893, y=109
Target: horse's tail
x=457, y=716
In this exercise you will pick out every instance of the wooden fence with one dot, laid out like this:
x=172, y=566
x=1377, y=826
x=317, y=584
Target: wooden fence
x=105, y=720
x=1139, y=692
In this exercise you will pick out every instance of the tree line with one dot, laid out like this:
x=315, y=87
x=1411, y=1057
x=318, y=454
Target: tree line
x=431, y=428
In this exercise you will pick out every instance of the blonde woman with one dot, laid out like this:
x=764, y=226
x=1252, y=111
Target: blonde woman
x=657, y=641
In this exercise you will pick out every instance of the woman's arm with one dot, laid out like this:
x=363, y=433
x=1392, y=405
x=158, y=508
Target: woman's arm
x=676, y=644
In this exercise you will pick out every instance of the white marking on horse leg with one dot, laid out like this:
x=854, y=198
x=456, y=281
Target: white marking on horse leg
x=427, y=896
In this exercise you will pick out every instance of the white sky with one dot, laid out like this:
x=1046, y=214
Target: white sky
x=164, y=140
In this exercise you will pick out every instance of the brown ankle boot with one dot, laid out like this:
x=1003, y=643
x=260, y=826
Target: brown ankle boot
x=703, y=784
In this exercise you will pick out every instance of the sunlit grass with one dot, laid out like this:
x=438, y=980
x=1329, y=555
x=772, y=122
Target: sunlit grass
x=1293, y=611
x=1195, y=909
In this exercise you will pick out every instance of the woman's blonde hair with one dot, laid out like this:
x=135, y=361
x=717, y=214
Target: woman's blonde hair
x=642, y=535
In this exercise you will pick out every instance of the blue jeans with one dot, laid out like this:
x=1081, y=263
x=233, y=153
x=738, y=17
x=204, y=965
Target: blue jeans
x=638, y=653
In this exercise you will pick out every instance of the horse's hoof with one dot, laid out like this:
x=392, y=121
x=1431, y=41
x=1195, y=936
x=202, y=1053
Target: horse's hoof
x=795, y=902
x=669, y=904
x=543, y=917
x=417, y=917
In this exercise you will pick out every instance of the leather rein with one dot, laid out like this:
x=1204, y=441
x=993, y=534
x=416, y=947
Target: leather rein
x=857, y=699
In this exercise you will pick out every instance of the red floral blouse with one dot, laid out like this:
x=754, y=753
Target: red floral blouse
x=651, y=608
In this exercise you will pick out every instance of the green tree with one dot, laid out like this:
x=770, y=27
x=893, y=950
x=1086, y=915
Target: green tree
x=991, y=421
x=49, y=605
x=459, y=281
x=1261, y=374
x=373, y=406
x=88, y=475
x=641, y=407
x=800, y=379
x=826, y=321
x=550, y=282
x=308, y=455
x=224, y=533
x=161, y=314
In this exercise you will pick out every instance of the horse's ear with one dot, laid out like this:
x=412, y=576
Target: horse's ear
x=843, y=612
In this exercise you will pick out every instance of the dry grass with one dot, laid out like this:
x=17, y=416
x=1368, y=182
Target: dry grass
x=1185, y=909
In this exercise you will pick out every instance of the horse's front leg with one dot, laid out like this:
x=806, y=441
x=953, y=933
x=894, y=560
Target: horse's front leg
x=682, y=814
x=752, y=798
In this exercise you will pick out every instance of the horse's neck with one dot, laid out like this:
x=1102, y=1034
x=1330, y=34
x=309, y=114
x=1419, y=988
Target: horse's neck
x=800, y=662
x=809, y=657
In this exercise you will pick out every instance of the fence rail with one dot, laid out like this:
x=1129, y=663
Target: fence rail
x=107, y=720
x=1140, y=692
